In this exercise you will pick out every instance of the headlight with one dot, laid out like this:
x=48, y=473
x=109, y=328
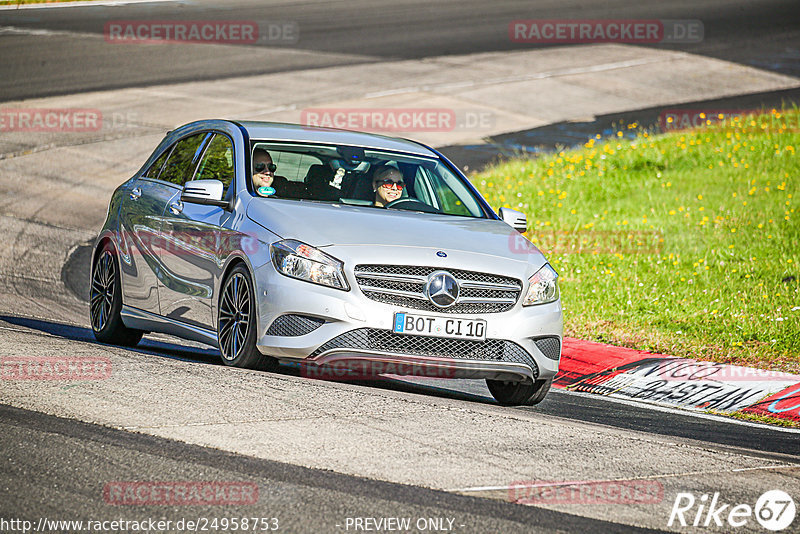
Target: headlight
x=542, y=287
x=304, y=262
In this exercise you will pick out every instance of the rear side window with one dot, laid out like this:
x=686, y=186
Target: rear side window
x=179, y=165
x=217, y=163
x=293, y=166
x=155, y=168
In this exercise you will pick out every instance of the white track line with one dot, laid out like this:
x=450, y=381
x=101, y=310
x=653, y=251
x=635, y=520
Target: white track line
x=16, y=30
x=652, y=477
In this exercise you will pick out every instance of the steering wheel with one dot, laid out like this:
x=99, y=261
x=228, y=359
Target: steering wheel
x=412, y=204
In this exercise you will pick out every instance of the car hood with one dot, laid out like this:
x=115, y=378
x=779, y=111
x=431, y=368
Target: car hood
x=322, y=224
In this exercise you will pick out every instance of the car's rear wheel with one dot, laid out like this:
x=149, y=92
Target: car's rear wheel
x=518, y=393
x=105, y=302
x=236, y=323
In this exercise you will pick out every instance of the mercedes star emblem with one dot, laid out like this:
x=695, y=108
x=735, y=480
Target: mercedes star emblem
x=442, y=289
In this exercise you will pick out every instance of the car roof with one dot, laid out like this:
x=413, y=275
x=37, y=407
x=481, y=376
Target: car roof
x=277, y=131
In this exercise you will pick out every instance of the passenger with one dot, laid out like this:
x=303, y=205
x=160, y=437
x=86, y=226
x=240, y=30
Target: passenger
x=388, y=185
x=264, y=180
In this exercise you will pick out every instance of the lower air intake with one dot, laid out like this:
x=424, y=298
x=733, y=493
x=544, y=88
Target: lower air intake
x=373, y=339
x=294, y=325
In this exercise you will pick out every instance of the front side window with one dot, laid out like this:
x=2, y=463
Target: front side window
x=361, y=177
x=179, y=167
x=155, y=168
x=217, y=162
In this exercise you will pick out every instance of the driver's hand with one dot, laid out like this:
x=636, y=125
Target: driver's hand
x=262, y=180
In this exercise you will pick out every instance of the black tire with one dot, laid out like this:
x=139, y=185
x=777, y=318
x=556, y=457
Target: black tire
x=237, y=313
x=517, y=393
x=105, y=301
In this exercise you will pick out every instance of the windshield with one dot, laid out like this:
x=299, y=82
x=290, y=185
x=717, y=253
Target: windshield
x=358, y=176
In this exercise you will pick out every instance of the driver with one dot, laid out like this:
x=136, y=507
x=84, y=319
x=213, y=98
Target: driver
x=264, y=179
x=388, y=185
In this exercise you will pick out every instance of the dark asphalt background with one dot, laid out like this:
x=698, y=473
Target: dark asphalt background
x=73, y=56
x=718, y=433
x=764, y=33
x=57, y=468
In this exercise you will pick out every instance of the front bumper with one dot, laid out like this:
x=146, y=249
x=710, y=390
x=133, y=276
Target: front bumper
x=316, y=325
x=372, y=364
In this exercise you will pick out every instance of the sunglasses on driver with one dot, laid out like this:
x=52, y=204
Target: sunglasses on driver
x=389, y=183
x=261, y=167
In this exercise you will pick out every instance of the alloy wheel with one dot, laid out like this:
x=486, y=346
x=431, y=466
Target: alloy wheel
x=234, y=316
x=102, y=293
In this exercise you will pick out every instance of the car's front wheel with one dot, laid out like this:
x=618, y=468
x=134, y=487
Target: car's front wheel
x=236, y=323
x=518, y=393
x=105, y=302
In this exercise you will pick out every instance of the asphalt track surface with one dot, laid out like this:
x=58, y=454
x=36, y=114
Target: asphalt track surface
x=54, y=467
x=719, y=432
x=53, y=483
x=62, y=51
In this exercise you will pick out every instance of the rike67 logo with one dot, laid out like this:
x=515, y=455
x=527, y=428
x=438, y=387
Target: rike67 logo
x=774, y=510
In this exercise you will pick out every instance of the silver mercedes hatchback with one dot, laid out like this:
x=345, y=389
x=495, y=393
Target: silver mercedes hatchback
x=352, y=254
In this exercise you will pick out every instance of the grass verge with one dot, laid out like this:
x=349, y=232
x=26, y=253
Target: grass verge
x=764, y=419
x=685, y=243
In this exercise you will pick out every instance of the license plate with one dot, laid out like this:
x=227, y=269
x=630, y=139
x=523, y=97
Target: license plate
x=425, y=325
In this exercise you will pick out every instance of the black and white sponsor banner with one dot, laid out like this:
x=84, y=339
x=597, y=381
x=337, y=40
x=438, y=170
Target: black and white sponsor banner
x=696, y=385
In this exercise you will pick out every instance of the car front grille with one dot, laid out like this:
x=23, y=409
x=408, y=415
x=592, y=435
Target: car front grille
x=291, y=325
x=374, y=339
x=403, y=285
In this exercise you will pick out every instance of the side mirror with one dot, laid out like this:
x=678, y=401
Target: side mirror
x=515, y=219
x=208, y=192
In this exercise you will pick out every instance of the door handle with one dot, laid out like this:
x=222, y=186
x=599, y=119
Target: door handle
x=136, y=193
x=176, y=207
